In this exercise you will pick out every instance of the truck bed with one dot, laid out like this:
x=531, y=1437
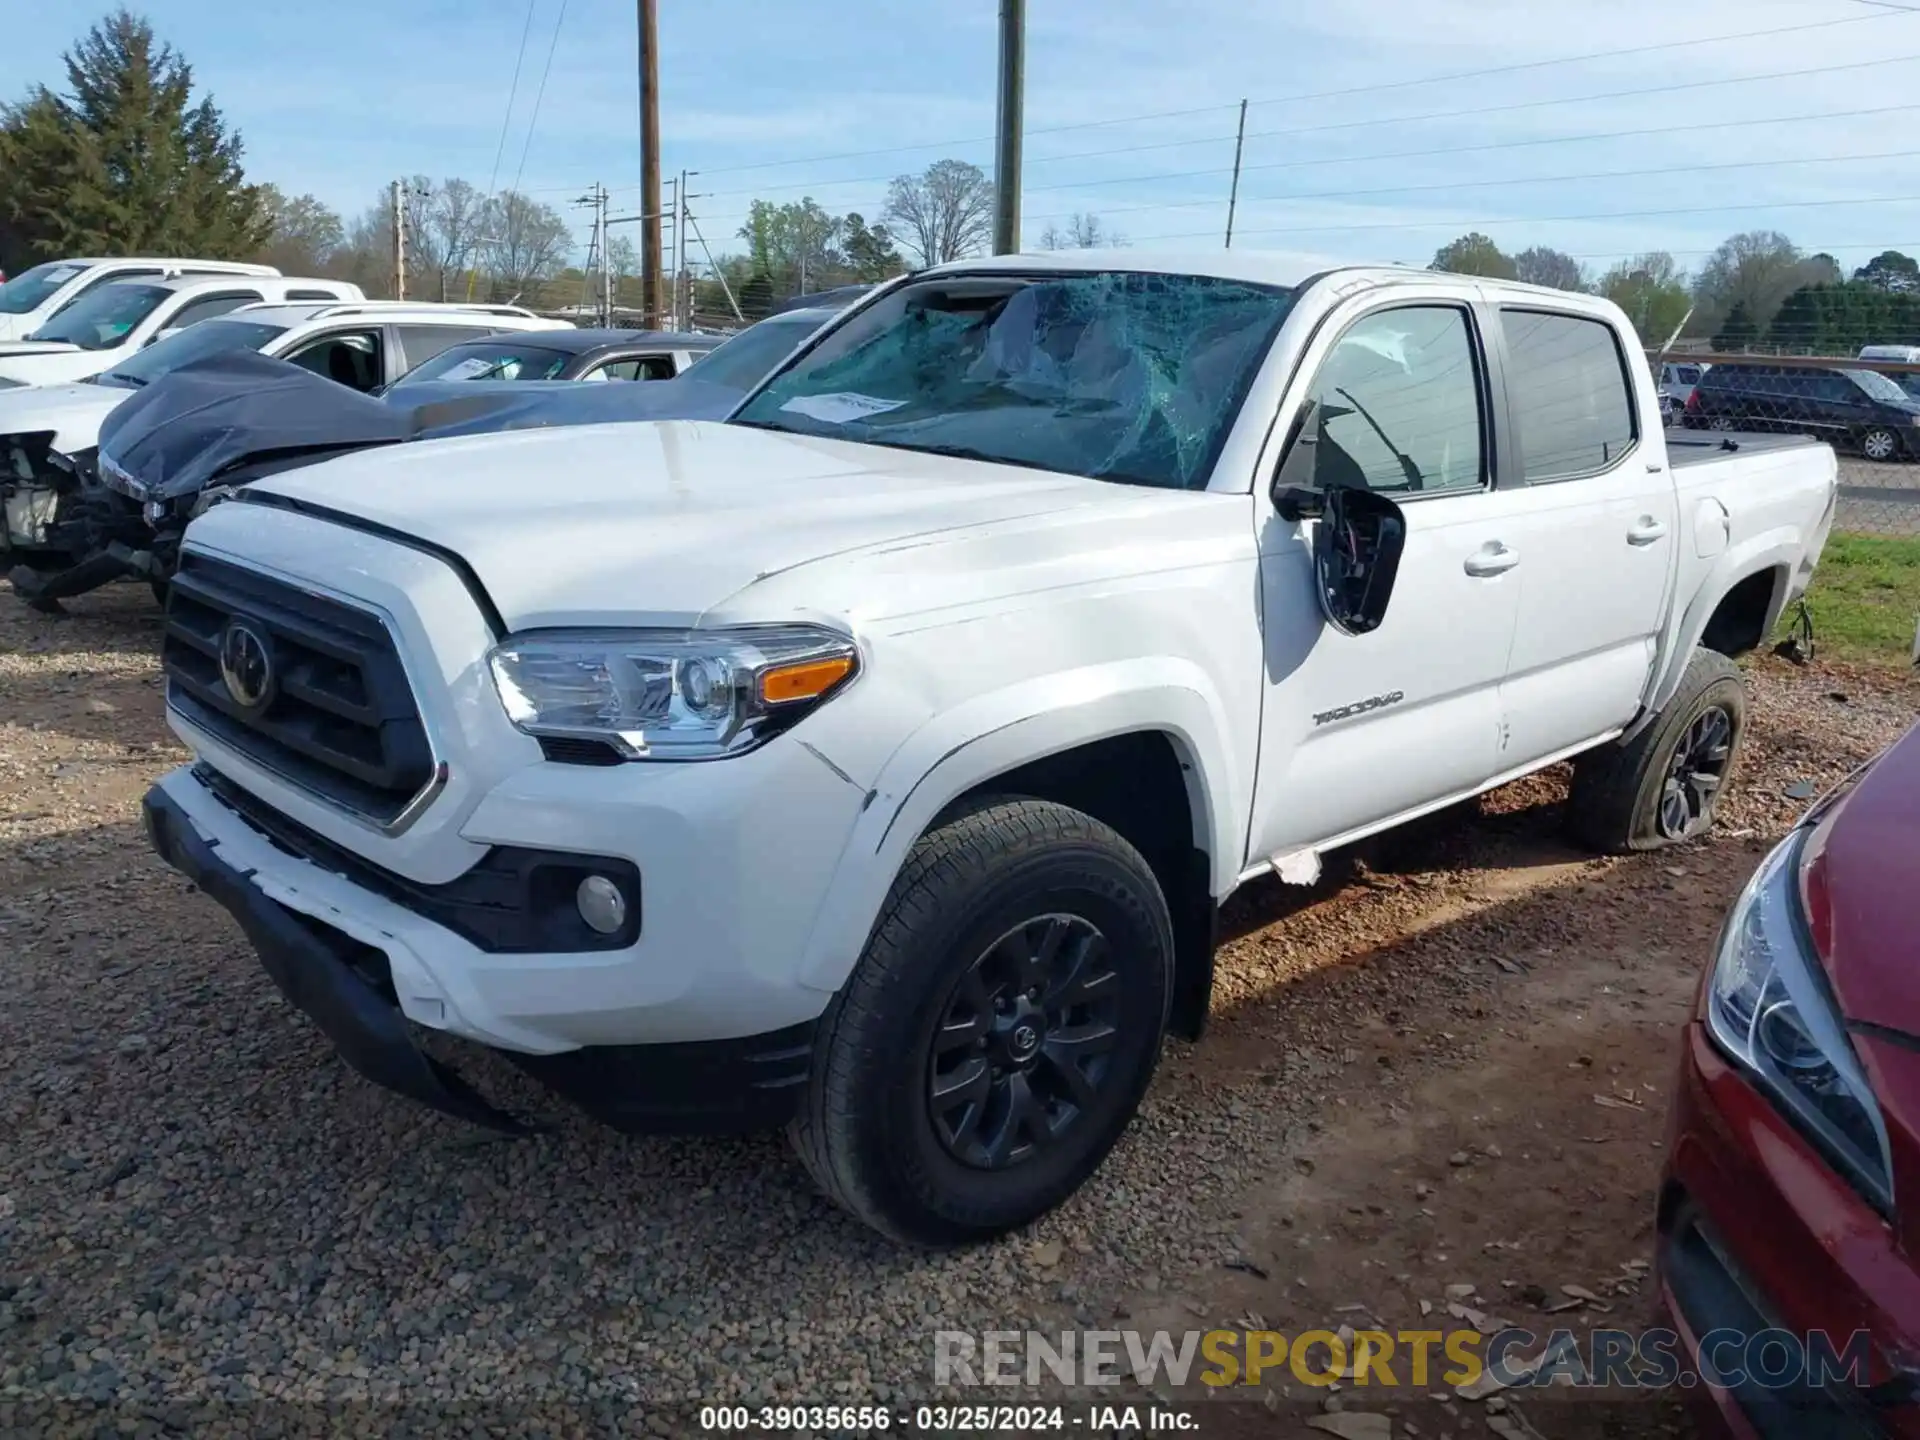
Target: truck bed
x=1697, y=447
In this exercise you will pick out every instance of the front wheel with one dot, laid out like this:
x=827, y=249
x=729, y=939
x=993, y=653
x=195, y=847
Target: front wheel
x=1880, y=443
x=999, y=1030
x=1664, y=785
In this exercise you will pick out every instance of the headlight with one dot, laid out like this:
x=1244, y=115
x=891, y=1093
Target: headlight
x=669, y=694
x=1769, y=1007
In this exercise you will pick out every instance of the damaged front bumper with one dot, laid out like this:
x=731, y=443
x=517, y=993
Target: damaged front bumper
x=69, y=530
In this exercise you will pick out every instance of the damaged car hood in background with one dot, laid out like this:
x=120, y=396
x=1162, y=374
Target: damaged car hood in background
x=240, y=408
x=181, y=432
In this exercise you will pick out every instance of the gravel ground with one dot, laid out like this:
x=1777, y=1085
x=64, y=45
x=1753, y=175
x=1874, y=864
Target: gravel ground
x=199, y=1206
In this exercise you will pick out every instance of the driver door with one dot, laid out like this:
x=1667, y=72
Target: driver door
x=1360, y=729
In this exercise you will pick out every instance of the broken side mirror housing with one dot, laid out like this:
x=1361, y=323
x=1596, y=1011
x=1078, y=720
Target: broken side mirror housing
x=1356, y=557
x=1358, y=541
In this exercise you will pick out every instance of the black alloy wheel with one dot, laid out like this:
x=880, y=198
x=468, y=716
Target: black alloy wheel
x=1695, y=774
x=1023, y=1045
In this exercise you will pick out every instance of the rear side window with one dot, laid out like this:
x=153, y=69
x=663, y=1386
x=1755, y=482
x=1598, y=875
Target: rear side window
x=1567, y=388
x=420, y=343
x=209, y=306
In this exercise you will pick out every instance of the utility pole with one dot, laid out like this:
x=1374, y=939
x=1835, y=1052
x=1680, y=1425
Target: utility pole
x=1233, y=195
x=399, y=243
x=650, y=163
x=1006, y=162
x=682, y=309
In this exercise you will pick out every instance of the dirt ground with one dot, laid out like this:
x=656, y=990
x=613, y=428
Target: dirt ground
x=1445, y=1065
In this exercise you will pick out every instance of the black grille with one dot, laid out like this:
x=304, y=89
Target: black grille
x=340, y=721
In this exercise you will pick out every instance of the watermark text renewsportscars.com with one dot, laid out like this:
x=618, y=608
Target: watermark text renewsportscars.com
x=1651, y=1358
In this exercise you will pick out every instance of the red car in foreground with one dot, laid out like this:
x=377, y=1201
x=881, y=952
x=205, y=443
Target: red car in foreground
x=1790, y=1210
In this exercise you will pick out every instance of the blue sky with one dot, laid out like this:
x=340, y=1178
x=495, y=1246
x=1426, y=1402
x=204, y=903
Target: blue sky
x=1357, y=145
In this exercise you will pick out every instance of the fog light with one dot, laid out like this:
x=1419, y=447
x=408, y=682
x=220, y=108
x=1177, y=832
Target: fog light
x=601, y=904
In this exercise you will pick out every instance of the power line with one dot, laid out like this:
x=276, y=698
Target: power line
x=1214, y=200
x=541, y=93
x=506, y=120
x=1370, y=123
x=1554, y=219
x=1495, y=110
x=1492, y=145
x=1376, y=88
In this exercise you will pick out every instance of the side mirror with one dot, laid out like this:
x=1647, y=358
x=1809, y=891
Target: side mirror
x=1356, y=557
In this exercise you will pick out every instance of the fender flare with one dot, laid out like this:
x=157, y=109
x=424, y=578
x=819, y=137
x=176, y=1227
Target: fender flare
x=1776, y=550
x=957, y=750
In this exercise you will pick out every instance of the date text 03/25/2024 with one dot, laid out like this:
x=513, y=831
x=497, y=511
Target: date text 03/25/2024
x=946, y=1419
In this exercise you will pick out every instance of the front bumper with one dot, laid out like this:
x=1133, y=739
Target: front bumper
x=349, y=975
x=1756, y=1232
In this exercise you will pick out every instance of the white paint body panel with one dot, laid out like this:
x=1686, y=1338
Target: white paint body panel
x=105, y=272
x=1002, y=614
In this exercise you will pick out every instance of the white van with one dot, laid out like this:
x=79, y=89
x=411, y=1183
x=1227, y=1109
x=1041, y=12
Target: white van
x=1892, y=354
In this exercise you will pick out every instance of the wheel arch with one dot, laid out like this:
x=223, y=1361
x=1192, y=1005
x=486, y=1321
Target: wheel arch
x=1062, y=739
x=1746, y=593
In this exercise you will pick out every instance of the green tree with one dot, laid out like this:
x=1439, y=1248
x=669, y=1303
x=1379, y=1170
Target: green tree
x=1475, y=254
x=1890, y=270
x=304, y=235
x=1738, y=330
x=127, y=161
x=870, y=249
x=1651, y=289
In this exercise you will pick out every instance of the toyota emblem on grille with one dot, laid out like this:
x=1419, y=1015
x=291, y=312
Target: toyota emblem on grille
x=246, y=665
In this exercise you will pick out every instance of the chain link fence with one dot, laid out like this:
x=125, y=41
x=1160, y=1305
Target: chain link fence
x=1867, y=409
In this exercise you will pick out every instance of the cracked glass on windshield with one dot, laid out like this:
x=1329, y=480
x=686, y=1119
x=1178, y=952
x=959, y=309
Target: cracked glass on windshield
x=1115, y=375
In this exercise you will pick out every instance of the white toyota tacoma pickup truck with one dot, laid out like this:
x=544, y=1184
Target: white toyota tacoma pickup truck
x=874, y=762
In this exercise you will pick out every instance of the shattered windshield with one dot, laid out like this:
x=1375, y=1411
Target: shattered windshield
x=103, y=318
x=28, y=290
x=1115, y=375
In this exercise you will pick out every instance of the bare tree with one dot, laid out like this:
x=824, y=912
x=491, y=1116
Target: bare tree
x=1757, y=270
x=1543, y=265
x=943, y=213
x=456, y=221
x=526, y=243
x=305, y=236
x=1083, y=232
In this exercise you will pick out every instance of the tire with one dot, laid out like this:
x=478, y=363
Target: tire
x=1880, y=444
x=1007, y=877
x=1720, y=422
x=1664, y=785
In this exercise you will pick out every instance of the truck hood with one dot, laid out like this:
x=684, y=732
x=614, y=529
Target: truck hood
x=33, y=363
x=72, y=412
x=659, y=523
x=12, y=348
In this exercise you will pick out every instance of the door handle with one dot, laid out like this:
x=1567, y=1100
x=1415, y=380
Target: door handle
x=1492, y=558
x=1646, y=531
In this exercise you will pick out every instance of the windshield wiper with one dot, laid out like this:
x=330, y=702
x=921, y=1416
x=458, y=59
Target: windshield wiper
x=1415, y=480
x=131, y=381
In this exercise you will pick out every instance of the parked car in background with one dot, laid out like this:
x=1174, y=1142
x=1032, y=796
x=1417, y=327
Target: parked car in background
x=36, y=295
x=1054, y=597
x=1907, y=380
x=1678, y=377
x=558, y=355
x=1851, y=409
x=106, y=326
x=1787, y=1205
x=63, y=519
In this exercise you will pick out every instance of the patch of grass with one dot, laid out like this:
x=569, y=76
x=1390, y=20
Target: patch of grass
x=1865, y=598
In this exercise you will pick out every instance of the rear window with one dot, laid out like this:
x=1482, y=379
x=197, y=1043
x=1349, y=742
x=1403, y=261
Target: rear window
x=1567, y=387
x=502, y=357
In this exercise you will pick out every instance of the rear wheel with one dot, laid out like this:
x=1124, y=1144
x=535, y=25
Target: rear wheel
x=1664, y=785
x=1720, y=422
x=999, y=1030
x=1880, y=443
